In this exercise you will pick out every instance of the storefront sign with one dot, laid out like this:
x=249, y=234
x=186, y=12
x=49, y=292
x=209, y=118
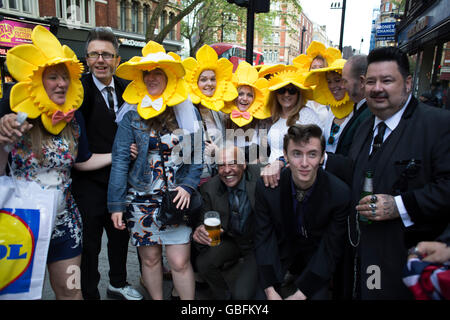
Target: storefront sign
x=132, y=43
x=385, y=29
x=13, y=33
x=421, y=24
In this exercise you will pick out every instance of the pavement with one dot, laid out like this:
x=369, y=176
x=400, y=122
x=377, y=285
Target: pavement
x=133, y=278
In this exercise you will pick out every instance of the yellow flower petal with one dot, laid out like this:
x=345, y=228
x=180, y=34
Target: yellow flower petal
x=27, y=62
x=207, y=60
x=23, y=60
x=147, y=113
x=245, y=74
x=53, y=129
x=152, y=47
x=207, y=55
x=241, y=121
x=194, y=98
x=21, y=101
x=189, y=64
x=229, y=92
x=47, y=42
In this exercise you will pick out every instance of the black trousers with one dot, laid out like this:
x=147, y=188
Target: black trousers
x=210, y=262
x=91, y=200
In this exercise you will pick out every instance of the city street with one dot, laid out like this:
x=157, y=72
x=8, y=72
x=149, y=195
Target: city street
x=133, y=277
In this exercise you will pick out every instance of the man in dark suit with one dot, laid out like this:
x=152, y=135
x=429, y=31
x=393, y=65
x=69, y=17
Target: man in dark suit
x=102, y=100
x=406, y=145
x=353, y=80
x=301, y=223
x=231, y=193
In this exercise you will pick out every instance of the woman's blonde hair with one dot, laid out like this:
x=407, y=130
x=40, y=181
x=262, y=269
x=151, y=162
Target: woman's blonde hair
x=163, y=122
x=276, y=108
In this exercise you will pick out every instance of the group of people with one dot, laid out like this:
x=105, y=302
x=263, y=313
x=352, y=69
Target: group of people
x=280, y=152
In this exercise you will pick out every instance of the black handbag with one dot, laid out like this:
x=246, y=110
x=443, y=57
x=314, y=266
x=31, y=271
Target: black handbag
x=168, y=213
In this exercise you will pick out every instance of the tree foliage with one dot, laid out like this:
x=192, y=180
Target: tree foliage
x=203, y=21
x=217, y=20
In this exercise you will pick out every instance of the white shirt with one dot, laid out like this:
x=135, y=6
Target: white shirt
x=102, y=88
x=322, y=110
x=327, y=131
x=391, y=124
x=277, y=131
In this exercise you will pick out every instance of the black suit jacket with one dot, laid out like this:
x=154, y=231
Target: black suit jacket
x=215, y=198
x=346, y=137
x=100, y=127
x=340, y=166
x=277, y=244
x=423, y=134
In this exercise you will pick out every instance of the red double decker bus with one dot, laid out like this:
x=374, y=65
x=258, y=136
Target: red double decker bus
x=236, y=54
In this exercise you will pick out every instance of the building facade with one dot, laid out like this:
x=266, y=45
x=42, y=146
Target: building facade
x=424, y=33
x=71, y=20
x=290, y=35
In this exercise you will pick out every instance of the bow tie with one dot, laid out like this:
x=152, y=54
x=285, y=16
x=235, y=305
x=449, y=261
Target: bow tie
x=236, y=114
x=60, y=116
x=156, y=104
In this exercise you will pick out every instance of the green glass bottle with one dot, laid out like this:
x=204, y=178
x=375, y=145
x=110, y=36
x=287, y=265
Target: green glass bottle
x=366, y=191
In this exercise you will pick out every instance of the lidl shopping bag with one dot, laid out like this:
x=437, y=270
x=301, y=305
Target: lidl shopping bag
x=27, y=214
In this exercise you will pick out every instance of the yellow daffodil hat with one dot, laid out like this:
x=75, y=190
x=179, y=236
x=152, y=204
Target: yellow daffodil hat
x=288, y=75
x=26, y=64
x=153, y=56
x=247, y=75
x=323, y=95
x=267, y=71
x=207, y=59
x=315, y=49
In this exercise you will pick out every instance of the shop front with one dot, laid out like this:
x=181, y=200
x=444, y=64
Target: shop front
x=14, y=32
x=424, y=34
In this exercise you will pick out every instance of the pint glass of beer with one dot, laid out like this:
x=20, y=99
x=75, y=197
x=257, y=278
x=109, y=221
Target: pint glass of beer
x=212, y=225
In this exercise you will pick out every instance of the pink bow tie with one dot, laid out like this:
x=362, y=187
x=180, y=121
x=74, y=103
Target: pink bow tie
x=236, y=114
x=59, y=116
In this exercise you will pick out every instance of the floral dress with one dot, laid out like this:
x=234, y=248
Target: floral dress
x=142, y=211
x=52, y=172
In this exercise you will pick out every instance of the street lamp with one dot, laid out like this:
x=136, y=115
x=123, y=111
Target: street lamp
x=360, y=45
x=303, y=33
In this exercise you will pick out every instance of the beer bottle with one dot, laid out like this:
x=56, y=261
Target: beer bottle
x=366, y=191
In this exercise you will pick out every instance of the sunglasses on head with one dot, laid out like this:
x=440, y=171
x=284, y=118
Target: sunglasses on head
x=290, y=90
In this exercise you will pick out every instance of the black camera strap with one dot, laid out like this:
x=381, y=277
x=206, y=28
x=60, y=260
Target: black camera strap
x=162, y=160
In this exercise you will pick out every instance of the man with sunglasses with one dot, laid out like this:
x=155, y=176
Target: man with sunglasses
x=102, y=101
x=231, y=193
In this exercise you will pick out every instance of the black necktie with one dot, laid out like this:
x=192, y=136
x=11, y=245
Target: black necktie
x=235, y=219
x=110, y=98
x=378, y=140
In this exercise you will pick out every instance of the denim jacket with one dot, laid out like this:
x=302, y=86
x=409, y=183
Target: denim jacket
x=124, y=172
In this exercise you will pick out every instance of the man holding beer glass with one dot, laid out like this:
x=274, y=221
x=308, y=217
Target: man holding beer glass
x=229, y=199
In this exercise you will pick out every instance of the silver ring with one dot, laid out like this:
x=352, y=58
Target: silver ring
x=373, y=198
x=374, y=212
x=373, y=206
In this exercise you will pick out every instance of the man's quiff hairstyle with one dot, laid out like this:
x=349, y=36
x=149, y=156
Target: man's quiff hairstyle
x=303, y=133
x=104, y=34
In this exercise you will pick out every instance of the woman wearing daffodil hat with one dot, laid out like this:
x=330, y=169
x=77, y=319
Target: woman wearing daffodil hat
x=208, y=79
x=158, y=94
x=287, y=98
x=317, y=56
x=45, y=148
x=248, y=111
x=330, y=90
